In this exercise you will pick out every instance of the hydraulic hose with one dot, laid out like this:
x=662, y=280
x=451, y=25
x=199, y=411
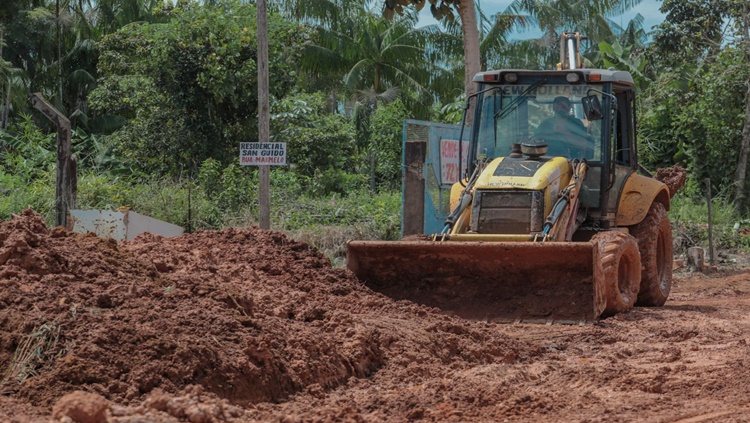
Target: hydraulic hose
x=466, y=197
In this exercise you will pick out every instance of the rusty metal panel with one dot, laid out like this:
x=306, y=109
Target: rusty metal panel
x=119, y=225
x=413, y=193
x=490, y=281
x=436, y=192
x=138, y=224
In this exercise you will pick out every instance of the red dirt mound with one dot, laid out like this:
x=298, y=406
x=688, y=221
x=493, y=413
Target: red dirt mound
x=249, y=315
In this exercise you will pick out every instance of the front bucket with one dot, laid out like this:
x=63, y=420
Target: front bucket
x=491, y=281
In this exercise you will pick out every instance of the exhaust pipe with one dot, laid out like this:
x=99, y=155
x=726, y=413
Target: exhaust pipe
x=570, y=51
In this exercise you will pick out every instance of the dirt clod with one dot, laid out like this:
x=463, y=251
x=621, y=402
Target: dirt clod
x=674, y=177
x=81, y=407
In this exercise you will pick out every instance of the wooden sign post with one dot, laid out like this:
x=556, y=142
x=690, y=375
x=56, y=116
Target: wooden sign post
x=264, y=115
x=66, y=188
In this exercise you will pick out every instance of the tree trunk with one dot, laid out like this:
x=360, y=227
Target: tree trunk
x=695, y=257
x=59, y=51
x=376, y=87
x=6, y=106
x=65, y=189
x=468, y=15
x=741, y=172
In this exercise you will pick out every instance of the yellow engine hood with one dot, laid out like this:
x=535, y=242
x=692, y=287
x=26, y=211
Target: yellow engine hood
x=548, y=176
x=503, y=173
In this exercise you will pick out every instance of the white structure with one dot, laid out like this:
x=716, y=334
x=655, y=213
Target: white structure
x=119, y=225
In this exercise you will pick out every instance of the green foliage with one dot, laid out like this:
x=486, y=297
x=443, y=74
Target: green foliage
x=178, y=202
x=689, y=217
x=336, y=181
x=694, y=111
x=318, y=143
x=98, y=154
x=378, y=59
x=27, y=169
x=451, y=113
x=28, y=152
x=387, y=137
x=328, y=223
x=188, y=87
x=616, y=56
x=693, y=30
x=380, y=213
x=100, y=191
x=230, y=188
x=17, y=194
x=698, y=122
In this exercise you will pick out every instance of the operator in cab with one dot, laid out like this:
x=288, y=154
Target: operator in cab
x=565, y=135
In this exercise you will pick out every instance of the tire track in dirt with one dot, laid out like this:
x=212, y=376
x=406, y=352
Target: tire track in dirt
x=738, y=412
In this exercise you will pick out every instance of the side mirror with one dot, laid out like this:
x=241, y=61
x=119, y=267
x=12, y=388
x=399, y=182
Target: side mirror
x=592, y=108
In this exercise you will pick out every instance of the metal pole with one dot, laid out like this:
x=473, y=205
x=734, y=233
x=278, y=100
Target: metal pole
x=710, y=224
x=264, y=171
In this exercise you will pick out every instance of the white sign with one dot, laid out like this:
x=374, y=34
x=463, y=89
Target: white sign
x=449, y=160
x=262, y=153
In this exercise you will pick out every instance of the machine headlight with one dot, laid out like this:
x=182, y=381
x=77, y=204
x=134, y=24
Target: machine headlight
x=573, y=78
x=511, y=78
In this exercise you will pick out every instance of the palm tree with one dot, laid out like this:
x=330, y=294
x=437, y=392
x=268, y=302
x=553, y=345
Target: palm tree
x=378, y=59
x=53, y=42
x=494, y=32
x=327, y=13
x=588, y=17
x=442, y=10
x=15, y=95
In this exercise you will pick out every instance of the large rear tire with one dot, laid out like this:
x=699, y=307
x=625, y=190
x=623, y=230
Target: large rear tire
x=654, y=235
x=621, y=270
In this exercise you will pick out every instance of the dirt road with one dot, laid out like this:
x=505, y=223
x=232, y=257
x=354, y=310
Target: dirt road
x=248, y=325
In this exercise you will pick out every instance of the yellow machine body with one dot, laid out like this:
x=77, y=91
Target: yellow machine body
x=548, y=178
x=637, y=196
x=539, y=227
x=493, y=276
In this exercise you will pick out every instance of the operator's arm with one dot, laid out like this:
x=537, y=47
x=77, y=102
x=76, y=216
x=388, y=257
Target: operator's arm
x=579, y=140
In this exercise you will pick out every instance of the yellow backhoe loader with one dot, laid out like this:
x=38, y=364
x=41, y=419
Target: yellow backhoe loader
x=553, y=219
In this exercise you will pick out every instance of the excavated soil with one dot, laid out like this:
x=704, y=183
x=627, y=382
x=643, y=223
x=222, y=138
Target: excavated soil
x=249, y=325
x=674, y=177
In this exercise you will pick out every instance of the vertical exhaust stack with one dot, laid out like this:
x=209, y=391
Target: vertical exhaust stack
x=570, y=51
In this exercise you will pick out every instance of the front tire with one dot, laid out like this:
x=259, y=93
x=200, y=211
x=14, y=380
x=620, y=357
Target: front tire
x=654, y=235
x=621, y=270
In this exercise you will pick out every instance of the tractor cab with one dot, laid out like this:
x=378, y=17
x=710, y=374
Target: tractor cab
x=576, y=114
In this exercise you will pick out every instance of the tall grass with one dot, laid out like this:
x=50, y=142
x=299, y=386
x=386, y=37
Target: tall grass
x=689, y=217
x=326, y=222
x=35, y=352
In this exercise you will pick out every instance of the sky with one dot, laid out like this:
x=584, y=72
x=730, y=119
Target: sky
x=648, y=8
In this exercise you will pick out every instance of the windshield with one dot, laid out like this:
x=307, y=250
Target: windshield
x=551, y=113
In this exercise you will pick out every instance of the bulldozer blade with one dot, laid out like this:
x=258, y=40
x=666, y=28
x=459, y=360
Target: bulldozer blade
x=555, y=282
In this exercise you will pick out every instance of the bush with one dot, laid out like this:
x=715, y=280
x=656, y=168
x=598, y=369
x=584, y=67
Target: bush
x=327, y=223
x=17, y=194
x=386, y=129
x=689, y=217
